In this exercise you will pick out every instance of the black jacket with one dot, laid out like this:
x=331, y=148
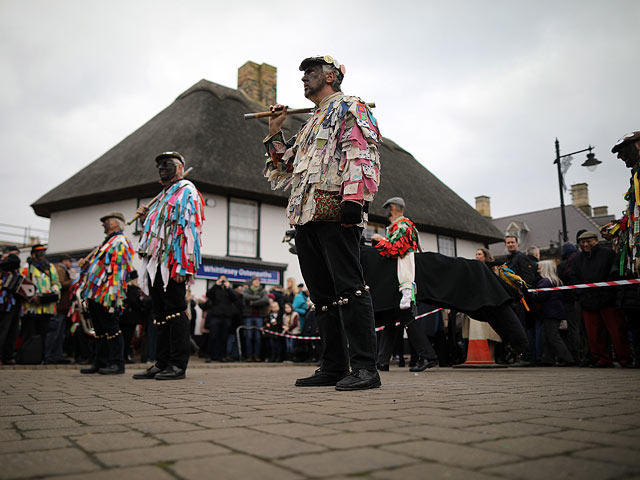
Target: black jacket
x=523, y=266
x=221, y=301
x=551, y=303
x=595, y=266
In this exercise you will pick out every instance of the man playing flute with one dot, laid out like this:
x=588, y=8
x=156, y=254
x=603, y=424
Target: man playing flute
x=332, y=166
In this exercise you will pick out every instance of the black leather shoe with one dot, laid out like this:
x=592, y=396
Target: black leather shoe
x=89, y=370
x=111, y=370
x=359, y=380
x=321, y=378
x=148, y=374
x=523, y=364
x=383, y=367
x=170, y=373
x=423, y=364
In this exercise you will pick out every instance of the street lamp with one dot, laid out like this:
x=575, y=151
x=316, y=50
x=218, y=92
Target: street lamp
x=591, y=163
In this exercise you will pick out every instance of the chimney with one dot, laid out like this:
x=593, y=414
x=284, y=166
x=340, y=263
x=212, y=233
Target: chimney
x=483, y=206
x=600, y=211
x=580, y=197
x=258, y=82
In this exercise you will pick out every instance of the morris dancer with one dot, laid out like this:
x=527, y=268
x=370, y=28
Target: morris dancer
x=103, y=283
x=333, y=168
x=170, y=251
x=401, y=241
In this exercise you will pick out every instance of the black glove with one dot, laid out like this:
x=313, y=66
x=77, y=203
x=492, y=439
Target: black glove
x=351, y=213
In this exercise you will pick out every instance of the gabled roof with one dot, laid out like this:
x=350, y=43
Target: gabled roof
x=543, y=227
x=206, y=125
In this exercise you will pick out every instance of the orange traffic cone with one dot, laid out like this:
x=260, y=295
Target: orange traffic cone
x=478, y=353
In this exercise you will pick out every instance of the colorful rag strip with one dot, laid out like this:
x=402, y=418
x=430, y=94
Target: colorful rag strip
x=402, y=238
x=7, y=299
x=104, y=277
x=335, y=152
x=46, y=282
x=172, y=232
x=625, y=233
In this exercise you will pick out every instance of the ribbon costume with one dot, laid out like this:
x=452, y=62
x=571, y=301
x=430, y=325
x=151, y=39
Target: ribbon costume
x=170, y=248
x=103, y=284
x=171, y=234
x=332, y=167
x=103, y=280
x=401, y=242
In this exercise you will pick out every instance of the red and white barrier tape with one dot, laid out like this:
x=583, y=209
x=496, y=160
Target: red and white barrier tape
x=285, y=335
x=587, y=285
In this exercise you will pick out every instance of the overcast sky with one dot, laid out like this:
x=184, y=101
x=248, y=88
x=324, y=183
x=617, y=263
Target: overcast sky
x=476, y=90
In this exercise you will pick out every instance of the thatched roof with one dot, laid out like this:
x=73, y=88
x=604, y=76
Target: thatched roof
x=206, y=125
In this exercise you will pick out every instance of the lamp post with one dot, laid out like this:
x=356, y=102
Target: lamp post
x=591, y=163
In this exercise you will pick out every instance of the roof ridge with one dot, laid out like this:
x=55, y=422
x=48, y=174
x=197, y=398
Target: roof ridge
x=586, y=216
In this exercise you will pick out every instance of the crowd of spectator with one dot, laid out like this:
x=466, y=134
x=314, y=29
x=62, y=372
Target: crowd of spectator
x=592, y=327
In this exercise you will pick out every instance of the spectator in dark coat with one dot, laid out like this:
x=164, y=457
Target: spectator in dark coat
x=595, y=264
x=552, y=312
x=575, y=327
x=221, y=299
x=133, y=314
x=256, y=308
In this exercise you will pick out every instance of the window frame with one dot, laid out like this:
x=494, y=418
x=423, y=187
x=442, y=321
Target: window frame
x=258, y=206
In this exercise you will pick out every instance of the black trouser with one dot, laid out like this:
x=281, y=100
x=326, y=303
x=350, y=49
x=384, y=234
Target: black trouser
x=109, y=343
x=329, y=257
x=507, y=324
x=174, y=344
x=9, y=333
x=555, y=346
x=416, y=331
x=218, y=333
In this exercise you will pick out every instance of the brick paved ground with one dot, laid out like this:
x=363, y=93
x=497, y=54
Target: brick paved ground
x=249, y=422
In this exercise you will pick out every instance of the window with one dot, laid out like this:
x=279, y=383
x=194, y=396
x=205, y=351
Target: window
x=447, y=246
x=243, y=229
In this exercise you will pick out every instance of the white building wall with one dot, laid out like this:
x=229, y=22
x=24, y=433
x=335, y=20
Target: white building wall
x=214, y=229
x=467, y=248
x=80, y=228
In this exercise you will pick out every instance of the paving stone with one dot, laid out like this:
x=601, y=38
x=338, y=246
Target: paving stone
x=61, y=432
x=578, y=424
x=512, y=429
x=164, y=426
x=158, y=454
x=606, y=454
x=454, y=422
x=432, y=470
x=231, y=467
x=101, y=442
x=59, y=423
x=452, y=435
x=298, y=430
x=344, y=462
x=532, y=447
x=217, y=435
x=270, y=446
x=560, y=468
x=132, y=473
x=44, y=462
x=361, y=439
x=451, y=454
x=616, y=439
x=7, y=434
x=10, y=410
x=371, y=425
x=33, y=445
